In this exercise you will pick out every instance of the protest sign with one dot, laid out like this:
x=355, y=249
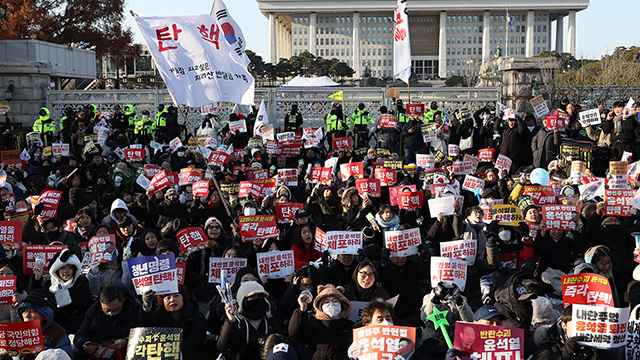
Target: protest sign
x=415, y=109
x=60, y=149
x=454, y=150
x=320, y=240
x=157, y=273
x=486, y=155
x=21, y=337
x=388, y=121
x=275, y=264
x=286, y=211
x=219, y=158
x=312, y=137
x=192, y=239
x=146, y=343
x=449, y=271
x=425, y=161
x=11, y=235
x=354, y=169
x=387, y=177
x=474, y=160
x=410, y=199
x=175, y=144
x=321, y=175
x=487, y=207
x=392, y=164
x=403, y=242
x=356, y=310
x=257, y=174
x=10, y=201
x=509, y=215
x=40, y=254
x=541, y=195
x=229, y=265
x=590, y=117
x=618, y=168
x=257, y=227
x=7, y=289
x=560, y=217
x=586, y=289
x=503, y=163
x=238, y=154
x=555, y=122
x=143, y=181
x=539, y=106
x=158, y=183
x=479, y=341
x=51, y=200
x=471, y=183
x=238, y=126
x=429, y=132
x=200, y=188
x=618, y=202
x=602, y=327
x=462, y=167
x=249, y=187
x=189, y=176
x=369, y=186
x=341, y=143
x=393, y=193
x=102, y=248
x=460, y=249
x=434, y=175
x=151, y=170
x=633, y=333
x=339, y=242
x=287, y=177
x=133, y=154
x=442, y=206
x=383, y=342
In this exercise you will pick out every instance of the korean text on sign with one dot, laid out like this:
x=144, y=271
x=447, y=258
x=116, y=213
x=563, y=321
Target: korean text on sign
x=460, y=249
x=147, y=343
x=275, y=264
x=31, y=253
x=11, y=234
x=23, y=337
x=618, y=202
x=488, y=342
x=257, y=227
x=383, y=342
x=560, y=217
x=449, y=271
x=230, y=265
x=403, y=242
x=192, y=239
x=157, y=273
x=602, y=327
x=586, y=289
x=102, y=248
x=342, y=242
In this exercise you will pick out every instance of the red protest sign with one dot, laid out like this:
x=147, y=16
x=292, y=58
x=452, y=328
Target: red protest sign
x=286, y=211
x=192, y=239
x=471, y=183
x=158, y=183
x=151, y=170
x=180, y=269
x=388, y=121
x=369, y=186
x=290, y=149
x=586, y=289
x=387, y=177
x=488, y=342
x=249, y=187
x=410, y=199
x=22, y=337
x=403, y=242
x=173, y=178
x=257, y=227
x=415, y=109
x=268, y=186
x=275, y=264
x=11, y=205
x=7, y=289
x=486, y=155
x=342, y=143
x=553, y=122
x=31, y=253
x=321, y=175
x=229, y=265
x=560, y=217
x=11, y=234
x=541, y=195
x=287, y=177
x=134, y=154
x=102, y=248
x=238, y=154
x=618, y=202
x=353, y=168
x=219, y=158
x=200, y=188
x=51, y=200
x=189, y=176
x=383, y=342
x=257, y=174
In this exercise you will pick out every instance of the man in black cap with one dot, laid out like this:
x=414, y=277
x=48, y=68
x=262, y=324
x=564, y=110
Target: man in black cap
x=293, y=120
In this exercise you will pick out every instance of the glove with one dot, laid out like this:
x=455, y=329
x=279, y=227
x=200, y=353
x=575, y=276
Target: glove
x=491, y=238
x=455, y=294
x=148, y=300
x=570, y=346
x=439, y=292
x=385, y=254
x=38, y=209
x=453, y=354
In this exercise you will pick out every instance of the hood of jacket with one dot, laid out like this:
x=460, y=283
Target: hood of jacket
x=46, y=117
x=128, y=109
x=118, y=204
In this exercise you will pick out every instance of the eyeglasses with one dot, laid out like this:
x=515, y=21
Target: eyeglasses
x=365, y=274
x=6, y=273
x=214, y=227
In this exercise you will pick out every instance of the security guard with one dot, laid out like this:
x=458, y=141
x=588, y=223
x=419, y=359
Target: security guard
x=143, y=127
x=45, y=126
x=360, y=120
x=293, y=119
x=433, y=110
x=401, y=113
x=130, y=117
x=336, y=125
x=160, y=124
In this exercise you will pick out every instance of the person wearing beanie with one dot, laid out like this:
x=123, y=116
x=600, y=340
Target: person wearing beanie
x=39, y=305
x=69, y=287
x=325, y=328
x=249, y=320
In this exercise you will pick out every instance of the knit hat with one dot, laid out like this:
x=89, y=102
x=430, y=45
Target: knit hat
x=247, y=289
x=211, y=221
x=282, y=351
x=525, y=202
x=170, y=191
x=164, y=164
x=42, y=301
x=325, y=291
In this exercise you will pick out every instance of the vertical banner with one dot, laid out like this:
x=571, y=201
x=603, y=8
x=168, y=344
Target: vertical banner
x=401, y=43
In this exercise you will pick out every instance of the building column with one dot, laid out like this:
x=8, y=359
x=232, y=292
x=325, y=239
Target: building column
x=288, y=44
x=560, y=34
x=529, y=39
x=442, y=52
x=571, y=33
x=312, y=33
x=486, y=37
x=357, y=66
x=273, y=56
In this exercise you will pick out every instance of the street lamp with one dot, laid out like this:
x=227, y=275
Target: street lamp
x=8, y=94
x=534, y=88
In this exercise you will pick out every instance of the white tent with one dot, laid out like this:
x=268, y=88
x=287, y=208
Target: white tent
x=300, y=81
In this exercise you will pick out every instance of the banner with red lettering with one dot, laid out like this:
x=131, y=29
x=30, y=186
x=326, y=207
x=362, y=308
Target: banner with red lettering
x=388, y=121
x=449, y=271
x=51, y=200
x=601, y=326
x=275, y=264
x=11, y=235
x=7, y=289
x=560, y=217
x=287, y=177
x=60, y=149
x=133, y=154
x=479, y=341
x=21, y=337
x=403, y=242
x=586, y=289
x=189, y=176
x=257, y=174
x=286, y=211
x=425, y=161
x=102, y=248
x=230, y=265
x=460, y=249
x=380, y=342
x=40, y=254
x=158, y=183
x=353, y=168
x=321, y=175
x=410, y=199
x=200, y=188
x=157, y=273
x=503, y=163
x=486, y=205
x=463, y=167
x=486, y=155
x=415, y=109
x=471, y=183
x=238, y=154
x=219, y=158
x=339, y=242
x=387, y=177
x=151, y=170
x=258, y=227
x=618, y=202
x=342, y=143
x=238, y=126
x=453, y=150
x=192, y=239
x=541, y=195
x=369, y=186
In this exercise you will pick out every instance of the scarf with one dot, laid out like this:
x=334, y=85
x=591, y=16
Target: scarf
x=392, y=225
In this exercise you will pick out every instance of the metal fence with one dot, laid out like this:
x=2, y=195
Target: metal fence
x=313, y=103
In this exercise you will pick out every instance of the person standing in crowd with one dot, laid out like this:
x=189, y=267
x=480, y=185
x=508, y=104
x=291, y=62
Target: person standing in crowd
x=45, y=126
x=293, y=120
x=359, y=122
x=336, y=124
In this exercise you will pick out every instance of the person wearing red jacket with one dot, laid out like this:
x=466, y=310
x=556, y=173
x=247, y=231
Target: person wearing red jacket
x=303, y=251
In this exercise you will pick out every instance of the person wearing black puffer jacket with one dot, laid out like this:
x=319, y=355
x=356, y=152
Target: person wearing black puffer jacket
x=412, y=139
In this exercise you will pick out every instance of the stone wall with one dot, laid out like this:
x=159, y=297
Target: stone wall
x=31, y=82
x=518, y=75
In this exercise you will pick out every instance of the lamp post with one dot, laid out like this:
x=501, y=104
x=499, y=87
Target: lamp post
x=8, y=94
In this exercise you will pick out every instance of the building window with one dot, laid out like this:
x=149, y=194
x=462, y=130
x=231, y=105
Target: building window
x=321, y=41
x=321, y=52
x=305, y=41
x=332, y=52
x=448, y=18
x=464, y=18
x=295, y=42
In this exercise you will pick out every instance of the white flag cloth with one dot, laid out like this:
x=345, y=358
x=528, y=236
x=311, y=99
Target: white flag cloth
x=261, y=119
x=232, y=32
x=196, y=64
x=401, y=44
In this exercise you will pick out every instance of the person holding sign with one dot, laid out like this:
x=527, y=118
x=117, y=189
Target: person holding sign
x=513, y=138
x=355, y=209
x=303, y=251
x=621, y=128
x=389, y=135
x=600, y=257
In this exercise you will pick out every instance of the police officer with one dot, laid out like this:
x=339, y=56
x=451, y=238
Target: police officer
x=389, y=135
x=66, y=122
x=401, y=113
x=131, y=117
x=142, y=128
x=45, y=126
x=118, y=121
x=160, y=124
x=359, y=121
x=293, y=119
x=336, y=125
x=433, y=110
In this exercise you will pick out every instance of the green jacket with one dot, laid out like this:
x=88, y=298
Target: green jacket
x=44, y=124
x=360, y=117
x=333, y=123
x=161, y=119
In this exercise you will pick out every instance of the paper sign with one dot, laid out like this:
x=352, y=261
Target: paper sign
x=383, y=342
x=486, y=155
x=471, y=183
x=388, y=121
x=586, y=289
x=339, y=242
x=286, y=211
x=486, y=205
x=200, y=188
x=633, y=332
x=132, y=154
x=618, y=168
x=7, y=289
x=143, y=181
x=356, y=310
x=602, y=326
x=158, y=183
x=11, y=235
x=230, y=265
x=386, y=176
x=509, y=215
x=238, y=126
x=102, y=248
x=425, y=161
x=60, y=149
x=560, y=217
x=33, y=252
x=189, y=176
x=403, y=242
x=157, y=273
x=429, y=132
x=393, y=193
x=454, y=150
x=449, y=271
x=369, y=186
x=51, y=200
x=618, y=202
x=275, y=264
x=154, y=342
x=503, y=163
x=541, y=195
x=175, y=144
x=321, y=175
x=590, y=117
x=410, y=199
x=539, y=106
x=219, y=158
x=258, y=227
x=460, y=249
x=479, y=341
x=355, y=169
x=192, y=239
x=287, y=177
x=442, y=206
x=462, y=167
x=21, y=337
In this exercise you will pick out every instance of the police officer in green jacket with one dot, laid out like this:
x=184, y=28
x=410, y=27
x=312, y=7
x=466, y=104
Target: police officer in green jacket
x=45, y=126
x=433, y=110
x=160, y=123
x=130, y=117
x=401, y=113
x=143, y=127
x=336, y=124
x=359, y=121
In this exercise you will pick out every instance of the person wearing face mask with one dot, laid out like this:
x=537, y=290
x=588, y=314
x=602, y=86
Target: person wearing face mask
x=142, y=128
x=325, y=329
x=249, y=320
x=514, y=243
x=304, y=279
x=359, y=121
x=45, y=232
x=211, y=207
x=108, y=322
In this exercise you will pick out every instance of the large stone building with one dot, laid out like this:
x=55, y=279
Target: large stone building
x=448, y=37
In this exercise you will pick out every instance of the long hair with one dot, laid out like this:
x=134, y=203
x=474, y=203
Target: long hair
x=297, y=239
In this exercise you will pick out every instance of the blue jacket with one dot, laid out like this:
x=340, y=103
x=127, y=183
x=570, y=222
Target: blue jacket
x=53, y=335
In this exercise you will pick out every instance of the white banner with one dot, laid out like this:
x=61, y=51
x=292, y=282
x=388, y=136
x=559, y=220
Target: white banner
x=449, y=271
x=261, y=120
x=403, y=242
x=401, y=44
x=603, y=327
x=197, y=66
x=460, y=249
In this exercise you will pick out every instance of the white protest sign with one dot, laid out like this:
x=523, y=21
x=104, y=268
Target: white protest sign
x=157, y=273
x=633, y=333
x=449, y=271
x=238, y=126
x=175, y=144
x=471, y=183
x=343, y=242
x=503, y=163
x=425, y=161
x=603, y=327
x=275, y=264
x=230, y=265
x=403, y=242
x=356, y=310
x=442, y=206
x=590, y=117
x=460, y=249
x=143, y=181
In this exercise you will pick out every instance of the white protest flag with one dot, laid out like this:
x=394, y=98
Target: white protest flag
x=401, y=44
x=197, y=67
x=232, y=32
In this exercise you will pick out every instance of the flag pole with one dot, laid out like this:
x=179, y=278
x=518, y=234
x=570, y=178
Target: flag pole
x=506, y=40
